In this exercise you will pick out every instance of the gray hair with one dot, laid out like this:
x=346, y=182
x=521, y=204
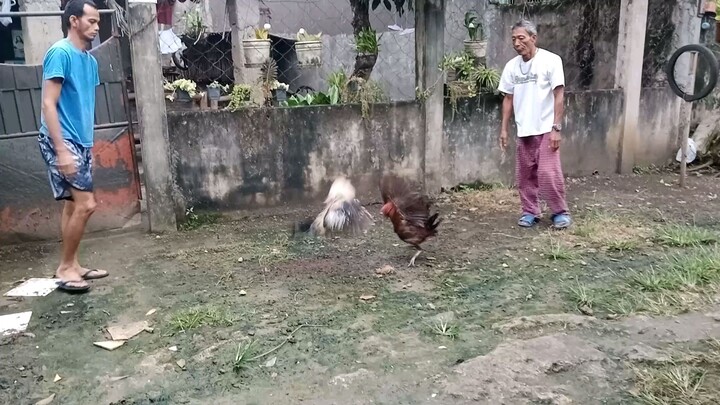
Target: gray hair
x=527, y=25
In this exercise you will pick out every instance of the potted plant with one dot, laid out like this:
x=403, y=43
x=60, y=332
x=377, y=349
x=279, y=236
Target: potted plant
x=476, y=45
x=279, y=91
x=182, y=90
x=308, y=48
x=257, y=49
x=214, y=90
x=367, y=48
x=240, y=96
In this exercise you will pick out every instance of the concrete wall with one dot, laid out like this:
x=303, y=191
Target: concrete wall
x=254, y=157
x=257, y=157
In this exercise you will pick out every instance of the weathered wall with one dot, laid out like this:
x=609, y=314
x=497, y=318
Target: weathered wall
x=584, y=36
x=254, y=157
x=27, y=208
x=590, y=138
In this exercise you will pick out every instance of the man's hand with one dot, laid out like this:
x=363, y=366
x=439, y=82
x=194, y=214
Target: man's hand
x=65, y=162
x=503, y=140
x=554, y=140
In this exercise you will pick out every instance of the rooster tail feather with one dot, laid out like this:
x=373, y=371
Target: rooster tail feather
x=342, y=212
x=433, y=222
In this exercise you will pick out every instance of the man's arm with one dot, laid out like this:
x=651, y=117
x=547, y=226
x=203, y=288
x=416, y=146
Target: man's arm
x=559, y=93
x=507, y=87
x=55, y=67
x=51, y=94
x=557, y=82
x=507, y=107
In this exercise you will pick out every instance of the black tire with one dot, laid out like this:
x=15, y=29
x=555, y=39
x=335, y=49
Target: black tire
x=179, y=61
x=703, y=52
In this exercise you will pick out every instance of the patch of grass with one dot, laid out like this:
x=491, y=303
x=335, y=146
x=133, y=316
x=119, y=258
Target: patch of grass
x=557, y=251
x=686, y=236
x=196, y=317
x=243, y=356
x=194, y=220
x=485, y=197
x=622, y=245
x=609, y=231
x=689, y=378
x=445, y=327
x=680, y=283
x=581, y=295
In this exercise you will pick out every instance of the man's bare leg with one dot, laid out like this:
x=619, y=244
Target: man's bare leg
x=74, y=220
x=68, y=210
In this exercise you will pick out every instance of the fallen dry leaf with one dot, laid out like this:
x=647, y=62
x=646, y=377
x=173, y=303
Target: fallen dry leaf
x=122, y=377
x=150, y=312
x=57, y=378
x=181, y=363
x=366, y=297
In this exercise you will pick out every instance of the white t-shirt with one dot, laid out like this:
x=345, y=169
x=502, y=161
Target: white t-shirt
x=531, y=83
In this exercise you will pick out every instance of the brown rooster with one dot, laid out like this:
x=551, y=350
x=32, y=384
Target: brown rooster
x=409, y=212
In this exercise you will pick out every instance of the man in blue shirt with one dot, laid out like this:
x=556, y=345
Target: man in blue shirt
x=70, y=76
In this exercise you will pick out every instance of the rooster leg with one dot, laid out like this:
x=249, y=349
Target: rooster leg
x=412, y=261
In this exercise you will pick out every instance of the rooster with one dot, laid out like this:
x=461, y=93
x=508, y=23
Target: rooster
x=342, y=212
x=409, y=212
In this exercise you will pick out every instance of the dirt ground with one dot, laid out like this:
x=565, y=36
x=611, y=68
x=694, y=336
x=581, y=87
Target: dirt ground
x=621, y=308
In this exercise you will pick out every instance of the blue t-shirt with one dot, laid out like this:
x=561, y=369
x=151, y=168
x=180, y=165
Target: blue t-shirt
x=76, y=105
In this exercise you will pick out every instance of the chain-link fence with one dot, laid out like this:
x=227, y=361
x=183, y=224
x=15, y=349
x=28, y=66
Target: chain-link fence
x=302, y=46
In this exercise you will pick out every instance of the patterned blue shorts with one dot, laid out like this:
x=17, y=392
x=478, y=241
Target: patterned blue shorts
x=59, y=183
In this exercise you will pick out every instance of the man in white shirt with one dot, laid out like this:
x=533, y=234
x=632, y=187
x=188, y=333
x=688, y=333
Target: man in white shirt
x=533, y=83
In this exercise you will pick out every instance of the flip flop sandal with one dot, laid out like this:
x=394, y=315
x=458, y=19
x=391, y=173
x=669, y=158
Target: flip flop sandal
x=94, y=274
x=528, y=220
x=65, y=286
x=561, y=221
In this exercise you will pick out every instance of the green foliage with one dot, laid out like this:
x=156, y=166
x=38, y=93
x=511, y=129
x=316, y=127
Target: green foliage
x=342, y=89
x=240, y=96
x=316, y=98
x=194, y=23
x=367, y=41
x=471, y=79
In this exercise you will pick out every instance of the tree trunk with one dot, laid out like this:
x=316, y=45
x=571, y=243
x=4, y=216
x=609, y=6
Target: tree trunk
x=361, y=20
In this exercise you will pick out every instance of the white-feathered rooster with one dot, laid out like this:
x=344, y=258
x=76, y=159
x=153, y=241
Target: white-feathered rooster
x=342, y=213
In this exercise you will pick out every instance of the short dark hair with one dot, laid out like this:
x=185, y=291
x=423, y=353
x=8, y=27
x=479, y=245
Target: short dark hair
x=75, y=8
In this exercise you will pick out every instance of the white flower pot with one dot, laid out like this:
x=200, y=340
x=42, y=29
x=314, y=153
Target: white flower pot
x=477, y=49
x=309, y=53
x=257, y=51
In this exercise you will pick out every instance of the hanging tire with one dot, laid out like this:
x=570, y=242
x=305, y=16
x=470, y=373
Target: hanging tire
x=703, y=53
x=179, y=60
